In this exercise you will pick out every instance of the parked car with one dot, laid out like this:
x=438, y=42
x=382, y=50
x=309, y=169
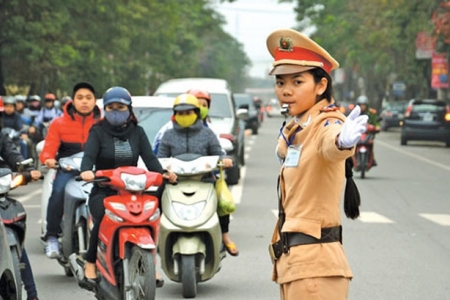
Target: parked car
x=392, y=114
x=273, y=109
x=226, y=119
x=426, y=120
x=246, y=101
x=8, y=284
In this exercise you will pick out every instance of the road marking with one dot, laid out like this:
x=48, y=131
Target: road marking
x=414, y=156
x=373, y=217
x=236, y=190
x=30, y=196
x=441, y=219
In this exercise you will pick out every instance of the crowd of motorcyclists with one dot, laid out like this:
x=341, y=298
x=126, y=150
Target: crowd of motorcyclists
x=74, y=124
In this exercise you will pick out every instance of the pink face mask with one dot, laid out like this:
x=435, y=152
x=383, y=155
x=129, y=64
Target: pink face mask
x=35, y=103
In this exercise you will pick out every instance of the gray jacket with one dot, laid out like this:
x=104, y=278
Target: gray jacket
x=196, y=139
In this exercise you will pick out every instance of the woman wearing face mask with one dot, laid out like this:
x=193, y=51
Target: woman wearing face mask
x=189, y=135
x=204, y=98
x=115, y=141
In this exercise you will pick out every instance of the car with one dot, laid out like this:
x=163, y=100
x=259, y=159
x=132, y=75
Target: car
x=273, y=109
x=225, y=119
x=8, y=284
x=426, y=120
x=392, y=114
x=246, y=101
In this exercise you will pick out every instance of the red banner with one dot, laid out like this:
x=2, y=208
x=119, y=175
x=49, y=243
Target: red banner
x=439, y=71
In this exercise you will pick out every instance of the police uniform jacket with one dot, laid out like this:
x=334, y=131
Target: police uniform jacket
x=311, y=193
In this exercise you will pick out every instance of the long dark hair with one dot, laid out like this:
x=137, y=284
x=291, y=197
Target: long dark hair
x=318, y=74
x=352, y=199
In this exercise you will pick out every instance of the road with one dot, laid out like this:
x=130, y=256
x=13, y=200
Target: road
x=398, y=249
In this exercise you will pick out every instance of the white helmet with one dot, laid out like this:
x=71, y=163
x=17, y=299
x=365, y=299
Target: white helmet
x=362, y=100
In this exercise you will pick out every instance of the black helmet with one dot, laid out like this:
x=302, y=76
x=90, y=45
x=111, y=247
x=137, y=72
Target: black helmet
x=117, y=94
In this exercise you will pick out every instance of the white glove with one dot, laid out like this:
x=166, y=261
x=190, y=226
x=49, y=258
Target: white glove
x=354, y=126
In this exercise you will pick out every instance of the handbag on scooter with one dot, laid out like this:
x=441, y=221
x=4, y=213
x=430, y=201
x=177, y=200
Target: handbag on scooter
x=225, y=202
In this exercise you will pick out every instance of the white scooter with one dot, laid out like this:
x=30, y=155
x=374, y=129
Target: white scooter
x=190, y=240
x=74, y=225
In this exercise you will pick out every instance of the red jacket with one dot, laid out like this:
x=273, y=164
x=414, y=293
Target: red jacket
x=68, y=133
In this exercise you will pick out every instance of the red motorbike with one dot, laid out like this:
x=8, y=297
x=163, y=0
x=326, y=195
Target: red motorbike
x=363, y=157
x=128, y=236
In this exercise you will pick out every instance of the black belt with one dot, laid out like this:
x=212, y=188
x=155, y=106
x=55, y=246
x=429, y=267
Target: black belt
x=291, y=239
x=328, y=235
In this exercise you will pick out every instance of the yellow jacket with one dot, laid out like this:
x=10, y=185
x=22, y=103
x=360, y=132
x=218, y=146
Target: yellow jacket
x=311, y=195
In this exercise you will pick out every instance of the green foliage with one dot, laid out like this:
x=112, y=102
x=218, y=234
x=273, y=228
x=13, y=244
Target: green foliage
x=373, y=40
x=50, y=44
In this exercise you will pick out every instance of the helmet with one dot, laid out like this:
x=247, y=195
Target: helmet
x=65, y=99
x=20, y=98
x=9, y=100
x=50, y=97
x=117, y=94
x=186, y=102
x=35, y=97
x=2, y=107
x=200, y=94
x=362, y=100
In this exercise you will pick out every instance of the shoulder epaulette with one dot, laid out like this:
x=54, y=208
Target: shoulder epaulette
x=331, y=107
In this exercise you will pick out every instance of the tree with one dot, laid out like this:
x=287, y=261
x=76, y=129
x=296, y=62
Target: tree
x=373, y=40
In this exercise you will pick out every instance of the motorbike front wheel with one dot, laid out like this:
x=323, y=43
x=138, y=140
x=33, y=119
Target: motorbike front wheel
x=188, y=276
x=141, y=275
x=363, y=164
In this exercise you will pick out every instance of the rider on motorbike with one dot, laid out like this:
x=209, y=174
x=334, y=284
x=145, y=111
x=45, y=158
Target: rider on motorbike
x=189, y=135
x=115, y=141
x=9, y=159
x=363, y=102
x=204, y=99
x=66, y=136
x=12, y=119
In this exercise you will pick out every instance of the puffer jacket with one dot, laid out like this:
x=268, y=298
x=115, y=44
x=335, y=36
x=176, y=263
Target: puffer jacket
x=68, y=133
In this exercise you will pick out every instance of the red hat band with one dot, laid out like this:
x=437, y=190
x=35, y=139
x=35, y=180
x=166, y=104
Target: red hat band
x=304, y=55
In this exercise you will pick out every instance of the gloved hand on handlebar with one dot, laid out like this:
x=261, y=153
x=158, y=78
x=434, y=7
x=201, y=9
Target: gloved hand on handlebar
x=354, y=126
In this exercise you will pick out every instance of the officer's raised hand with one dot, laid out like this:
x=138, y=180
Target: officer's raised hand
x=354, y=126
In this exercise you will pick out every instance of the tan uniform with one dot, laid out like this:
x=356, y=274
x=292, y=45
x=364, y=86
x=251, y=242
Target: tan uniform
x=311, y=196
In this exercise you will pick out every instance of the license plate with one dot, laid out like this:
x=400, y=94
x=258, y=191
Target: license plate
x=428, y=117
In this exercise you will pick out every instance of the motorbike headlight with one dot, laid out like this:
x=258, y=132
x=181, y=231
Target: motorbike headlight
x=188, y=212
x=113, y=216
x=134, y=182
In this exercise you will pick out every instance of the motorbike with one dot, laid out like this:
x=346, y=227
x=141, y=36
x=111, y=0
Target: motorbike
x=190, y=244
x=74, y=224
x=363, y=158
x=13, y=214
x=128, y=236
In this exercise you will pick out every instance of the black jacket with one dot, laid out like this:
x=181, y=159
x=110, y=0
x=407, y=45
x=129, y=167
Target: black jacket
x=102, y=142
x=8, y=153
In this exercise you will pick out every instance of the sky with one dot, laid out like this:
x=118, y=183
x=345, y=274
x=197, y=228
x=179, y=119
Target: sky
x=251, y=21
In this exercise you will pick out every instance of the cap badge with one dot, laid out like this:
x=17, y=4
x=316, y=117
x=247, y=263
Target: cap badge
x=286, y=44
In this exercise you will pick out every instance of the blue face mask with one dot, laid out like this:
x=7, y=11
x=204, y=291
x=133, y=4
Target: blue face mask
x=117, y=118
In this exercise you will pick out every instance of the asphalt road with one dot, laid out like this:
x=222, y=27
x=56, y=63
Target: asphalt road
x=398, y=249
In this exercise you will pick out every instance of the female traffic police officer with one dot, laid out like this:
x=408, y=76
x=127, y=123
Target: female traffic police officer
x=309, y=260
